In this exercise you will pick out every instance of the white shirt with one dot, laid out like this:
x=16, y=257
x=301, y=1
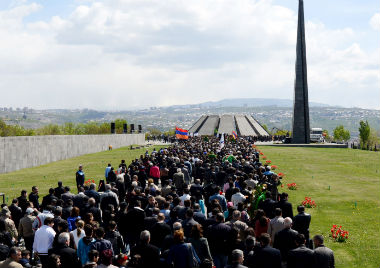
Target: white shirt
x=43, y=239
x=76, y=237
x=237, y=198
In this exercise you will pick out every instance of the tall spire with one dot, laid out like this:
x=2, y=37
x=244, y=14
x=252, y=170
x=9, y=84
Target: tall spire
x=301, y=123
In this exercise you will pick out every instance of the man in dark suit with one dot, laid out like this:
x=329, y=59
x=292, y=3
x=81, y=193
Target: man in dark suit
x=198, y=215
x=284, y=240
x=324, y=257
x=151, y=220
x=150, y=255
x=301, y=223
x=67, y=195
x=68, y=256
x=188, y=223
x=58, y=191
x=237, y=259
x=286, y=207
x=22, y=201
x=217, y=236
x=133, y=223
x=159, y=231
x=33, y=197
x=93, y=193
x=265, y=256
x=47, y=199
x=268, y=205
x=92, y=208
x=301, y=257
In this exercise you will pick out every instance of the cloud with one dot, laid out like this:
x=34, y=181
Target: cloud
x=132, y=53
x=375, y=22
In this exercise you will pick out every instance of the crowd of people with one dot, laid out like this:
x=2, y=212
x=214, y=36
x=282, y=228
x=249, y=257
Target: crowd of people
x=196, y=203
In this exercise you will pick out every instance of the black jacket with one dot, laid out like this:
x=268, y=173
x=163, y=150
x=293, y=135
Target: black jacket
x=286, y=207
x=150, y=255
x=268, y=206
x=301, y=257
x=266, y=257
x=218, y=236
x=158, y=233
x=324, y=257
x=34, y=199
x=116, y=240
x=301, y=223
x=68, y=256
x=284, y=240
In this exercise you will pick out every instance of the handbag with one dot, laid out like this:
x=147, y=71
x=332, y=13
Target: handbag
x=194, y=261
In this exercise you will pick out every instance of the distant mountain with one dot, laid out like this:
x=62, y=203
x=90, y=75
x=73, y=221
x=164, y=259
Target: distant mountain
x=250, y=102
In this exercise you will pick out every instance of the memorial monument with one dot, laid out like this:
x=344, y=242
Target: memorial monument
x=301, y=123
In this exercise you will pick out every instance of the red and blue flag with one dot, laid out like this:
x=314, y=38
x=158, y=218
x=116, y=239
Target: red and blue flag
x=181, y=134
x=234, y=135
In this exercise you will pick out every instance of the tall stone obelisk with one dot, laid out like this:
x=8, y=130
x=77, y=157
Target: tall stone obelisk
x=301, y=123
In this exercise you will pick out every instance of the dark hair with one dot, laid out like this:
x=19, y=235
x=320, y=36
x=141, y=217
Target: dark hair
x=263, y=221
x=265, y=239
x=23, y=192
x=99, y=232
x=92, y=254
x=319, y=238
x=189, y=213
x=52, y=261
x=13, y=251
x=14, y=201
x=48, y=221
x=112, y=225
x=300, y=239
x=25, y=252
x=219, y=217
x=75, y=212
x=51, y=191
x=196, y=231
x=278, y=212
x=300, y=208
x=187, y=203
x=88, y=229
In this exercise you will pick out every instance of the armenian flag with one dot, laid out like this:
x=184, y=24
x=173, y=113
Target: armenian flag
x=181, y=134
x=234, y=135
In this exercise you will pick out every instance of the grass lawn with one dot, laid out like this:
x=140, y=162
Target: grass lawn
x=353, y=176
x=47, y=176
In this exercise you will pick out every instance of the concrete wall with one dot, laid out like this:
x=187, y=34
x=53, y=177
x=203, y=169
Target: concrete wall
x=24, y=152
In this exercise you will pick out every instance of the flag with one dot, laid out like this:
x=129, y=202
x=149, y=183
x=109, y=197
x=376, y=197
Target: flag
x=221, y=142
x=234, y=135
x=181, y=134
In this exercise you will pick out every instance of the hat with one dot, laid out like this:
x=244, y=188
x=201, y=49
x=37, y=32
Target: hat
x=29, y=211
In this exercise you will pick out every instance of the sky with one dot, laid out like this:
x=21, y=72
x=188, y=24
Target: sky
x=128, y=54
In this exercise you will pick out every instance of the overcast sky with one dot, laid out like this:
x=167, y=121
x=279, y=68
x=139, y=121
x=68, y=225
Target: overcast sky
x=123, y=54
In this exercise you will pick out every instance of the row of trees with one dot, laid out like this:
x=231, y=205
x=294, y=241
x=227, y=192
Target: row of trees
x=65, y=129
x=368, y=136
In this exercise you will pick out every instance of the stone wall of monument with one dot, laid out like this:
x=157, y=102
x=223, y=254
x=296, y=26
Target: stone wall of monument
x=24, y=152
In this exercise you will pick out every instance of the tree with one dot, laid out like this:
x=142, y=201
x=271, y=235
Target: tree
x=341, y=134
x=364, y=132
x=119, y=125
